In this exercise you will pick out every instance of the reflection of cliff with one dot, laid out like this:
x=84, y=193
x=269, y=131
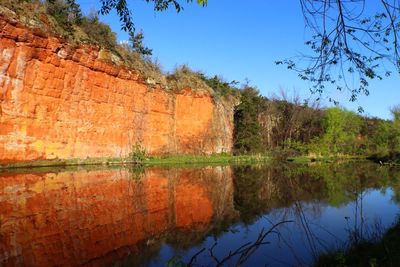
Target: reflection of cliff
x=97, y=217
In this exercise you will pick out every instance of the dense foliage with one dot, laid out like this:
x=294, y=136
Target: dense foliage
x=373, y=252
x=247, y=133
x=296, y=128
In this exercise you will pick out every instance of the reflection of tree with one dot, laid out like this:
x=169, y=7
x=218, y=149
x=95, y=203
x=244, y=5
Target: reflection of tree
x=299, y=192
x=253, y=190
x=392, y=173
x=261, y=189
x=343, y=181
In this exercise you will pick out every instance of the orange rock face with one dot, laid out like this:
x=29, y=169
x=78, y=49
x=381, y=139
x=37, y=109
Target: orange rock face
x=96, y=218
x=63, y=102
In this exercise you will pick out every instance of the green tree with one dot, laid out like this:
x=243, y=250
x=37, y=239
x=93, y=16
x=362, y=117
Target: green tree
x=382, y=137
x=137, y=46
x=395, y=131
x=247, y=132
x=219, y=85
x=376, y=134
x=342, y=131
x=335, y=135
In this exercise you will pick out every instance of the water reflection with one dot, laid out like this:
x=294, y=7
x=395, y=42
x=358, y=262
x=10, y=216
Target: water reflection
x=96, y=217
x=129, y=218
x=330, y=206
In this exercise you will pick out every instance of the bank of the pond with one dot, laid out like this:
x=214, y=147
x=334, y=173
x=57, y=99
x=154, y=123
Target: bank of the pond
x=392, y=158
x=326, y=159
x=176, y=160
x=383, y=252
x=153, y=161
x=64, y=162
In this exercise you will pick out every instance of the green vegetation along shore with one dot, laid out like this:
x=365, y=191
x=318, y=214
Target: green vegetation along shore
x=382, y=252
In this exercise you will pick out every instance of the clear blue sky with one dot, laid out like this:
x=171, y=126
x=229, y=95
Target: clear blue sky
x=238, y=40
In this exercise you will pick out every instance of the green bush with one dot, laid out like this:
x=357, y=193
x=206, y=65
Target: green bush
x=137, y=154
x=145, y=65
x=220, y=86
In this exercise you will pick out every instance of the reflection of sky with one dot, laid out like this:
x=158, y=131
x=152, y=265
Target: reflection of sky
x=326, y=227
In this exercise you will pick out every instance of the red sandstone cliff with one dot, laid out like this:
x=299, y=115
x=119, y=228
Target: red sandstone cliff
x=58, y=101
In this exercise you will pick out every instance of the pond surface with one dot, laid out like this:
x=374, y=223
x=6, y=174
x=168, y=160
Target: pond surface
x=275, y=215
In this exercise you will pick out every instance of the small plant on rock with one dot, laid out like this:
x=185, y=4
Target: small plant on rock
x=138, y=153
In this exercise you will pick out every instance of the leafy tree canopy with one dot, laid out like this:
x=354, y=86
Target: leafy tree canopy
x=126, y=15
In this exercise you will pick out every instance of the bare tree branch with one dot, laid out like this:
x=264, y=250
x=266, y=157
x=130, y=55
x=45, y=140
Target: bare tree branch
x=348, y=41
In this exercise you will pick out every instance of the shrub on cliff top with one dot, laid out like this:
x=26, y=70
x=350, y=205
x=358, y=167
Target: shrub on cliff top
x=16, y=5
x=27, y=11
x=149, y=68
x=98, y=32
x=220, y=86
x=67, y=13
x=183, y=77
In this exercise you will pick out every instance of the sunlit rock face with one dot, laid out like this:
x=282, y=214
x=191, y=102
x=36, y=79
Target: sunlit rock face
x=94, y=218
x=59, y=101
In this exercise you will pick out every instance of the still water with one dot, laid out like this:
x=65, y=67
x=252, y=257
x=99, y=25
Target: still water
x=275, y=215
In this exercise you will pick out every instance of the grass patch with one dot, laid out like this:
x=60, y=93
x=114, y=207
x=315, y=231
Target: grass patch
x=384, y=252
x=196, y=159
x=326, y=159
